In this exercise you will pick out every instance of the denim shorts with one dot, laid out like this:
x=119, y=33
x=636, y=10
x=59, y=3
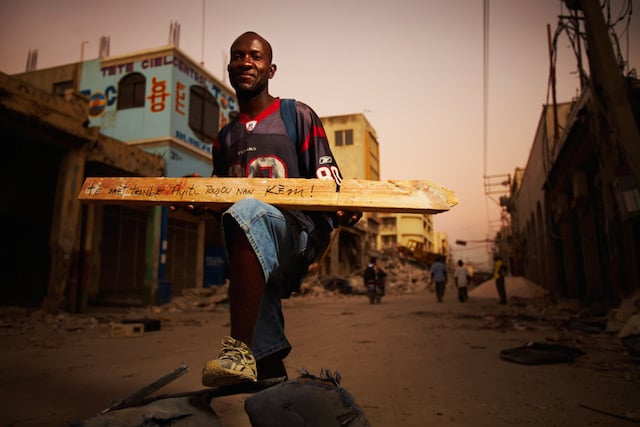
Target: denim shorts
x=281, y=246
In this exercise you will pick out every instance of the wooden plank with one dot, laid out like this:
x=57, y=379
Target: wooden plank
x=412, y=196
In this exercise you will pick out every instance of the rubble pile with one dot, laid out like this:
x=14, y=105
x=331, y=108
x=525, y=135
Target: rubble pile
x=23, y=321
x=197, y=300
x=403, y=277
x=625, y=319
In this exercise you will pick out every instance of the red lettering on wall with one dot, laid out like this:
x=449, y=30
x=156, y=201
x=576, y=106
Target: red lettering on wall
x=158, y=95
x=158, y=61
x=180, y=98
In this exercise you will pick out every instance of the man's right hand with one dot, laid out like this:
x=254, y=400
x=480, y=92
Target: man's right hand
x=197, y=210
x=348, y=218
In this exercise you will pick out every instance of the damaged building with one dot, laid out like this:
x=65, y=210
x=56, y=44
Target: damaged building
x=575, y=207
x=51, y=258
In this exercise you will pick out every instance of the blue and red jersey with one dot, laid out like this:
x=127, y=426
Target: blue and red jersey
x=260, y=147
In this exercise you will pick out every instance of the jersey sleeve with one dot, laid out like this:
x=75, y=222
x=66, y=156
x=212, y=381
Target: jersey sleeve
x=315, y=158
x=314, y=154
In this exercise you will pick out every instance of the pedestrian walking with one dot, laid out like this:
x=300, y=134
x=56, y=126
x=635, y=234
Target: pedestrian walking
x=439, y=277
x=499, y=271
x=461, y=278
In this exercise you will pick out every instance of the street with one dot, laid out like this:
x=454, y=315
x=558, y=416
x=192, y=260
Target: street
x=408, y=361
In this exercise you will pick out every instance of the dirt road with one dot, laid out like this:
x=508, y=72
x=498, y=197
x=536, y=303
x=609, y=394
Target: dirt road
x=408, y=362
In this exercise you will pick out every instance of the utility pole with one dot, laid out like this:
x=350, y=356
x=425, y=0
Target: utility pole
x=202, y=47
x=82, y=45
x=608, y=86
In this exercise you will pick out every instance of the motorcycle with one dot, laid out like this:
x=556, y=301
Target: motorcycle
x=375, y=291
x=374, y=281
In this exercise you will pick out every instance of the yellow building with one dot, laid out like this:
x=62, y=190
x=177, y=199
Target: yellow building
x=400, y=229
x=355, y=144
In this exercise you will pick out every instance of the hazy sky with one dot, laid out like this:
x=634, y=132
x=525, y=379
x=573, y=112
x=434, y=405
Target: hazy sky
x=414, y=67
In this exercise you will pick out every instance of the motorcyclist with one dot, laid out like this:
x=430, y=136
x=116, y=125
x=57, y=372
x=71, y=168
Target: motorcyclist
x=374, y=280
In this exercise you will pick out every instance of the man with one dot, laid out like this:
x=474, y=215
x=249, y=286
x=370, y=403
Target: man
x=461, y=277
x=374, y=280
x=269, y=249
x=439, y=277
x=498, y=274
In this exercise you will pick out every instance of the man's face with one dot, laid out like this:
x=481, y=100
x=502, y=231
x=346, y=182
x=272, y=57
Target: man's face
x=250, y=65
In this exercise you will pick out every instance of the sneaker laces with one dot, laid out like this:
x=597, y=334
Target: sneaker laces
x=233, y=350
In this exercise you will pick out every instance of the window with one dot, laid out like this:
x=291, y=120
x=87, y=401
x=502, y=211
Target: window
x=204, y=113
x=344, y=137
x=389, y=222
x=389, y=241
x=131, y=91
x=60, y=88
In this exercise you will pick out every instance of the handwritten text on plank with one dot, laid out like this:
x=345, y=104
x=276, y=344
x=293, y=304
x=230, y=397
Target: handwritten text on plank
x=181, y=191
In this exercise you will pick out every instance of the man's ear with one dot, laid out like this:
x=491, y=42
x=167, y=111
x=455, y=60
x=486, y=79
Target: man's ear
x=272, y=70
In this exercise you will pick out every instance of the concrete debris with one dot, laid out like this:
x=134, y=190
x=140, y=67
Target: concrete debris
x=24, y=320
x=127, y=330
x=632, y=327
x=196, y=299
x=403, y=277
x=625, y=319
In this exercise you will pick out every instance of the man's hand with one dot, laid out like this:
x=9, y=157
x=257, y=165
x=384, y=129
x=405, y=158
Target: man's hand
x=348, y=218
x=196, y=210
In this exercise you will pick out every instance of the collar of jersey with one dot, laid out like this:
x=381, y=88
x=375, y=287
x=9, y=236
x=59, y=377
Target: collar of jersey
x=272, y=108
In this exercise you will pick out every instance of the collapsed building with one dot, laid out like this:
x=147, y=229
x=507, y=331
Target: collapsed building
x=575, y=207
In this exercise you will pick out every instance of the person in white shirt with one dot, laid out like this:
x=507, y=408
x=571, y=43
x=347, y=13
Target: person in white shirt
x=461, y=278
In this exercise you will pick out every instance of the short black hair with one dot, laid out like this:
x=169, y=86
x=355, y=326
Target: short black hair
x=265, y=41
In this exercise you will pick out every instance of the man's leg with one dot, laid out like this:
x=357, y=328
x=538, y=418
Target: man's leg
x=439, y=291
x=246, y=286
x=502, y=291
x=236, y=362
x=261, y=243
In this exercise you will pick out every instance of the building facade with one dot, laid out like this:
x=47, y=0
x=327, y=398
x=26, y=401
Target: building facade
x=575, y=214
x=164, y=103
x=54, y=257
x=355, y=143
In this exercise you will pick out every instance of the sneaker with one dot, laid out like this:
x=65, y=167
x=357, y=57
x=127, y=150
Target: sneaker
x=235, y=364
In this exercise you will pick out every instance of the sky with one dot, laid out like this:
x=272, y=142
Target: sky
x=415, y=68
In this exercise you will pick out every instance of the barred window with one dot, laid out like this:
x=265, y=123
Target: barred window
x=204, y=113
x=131, y=91
x=344, y=137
